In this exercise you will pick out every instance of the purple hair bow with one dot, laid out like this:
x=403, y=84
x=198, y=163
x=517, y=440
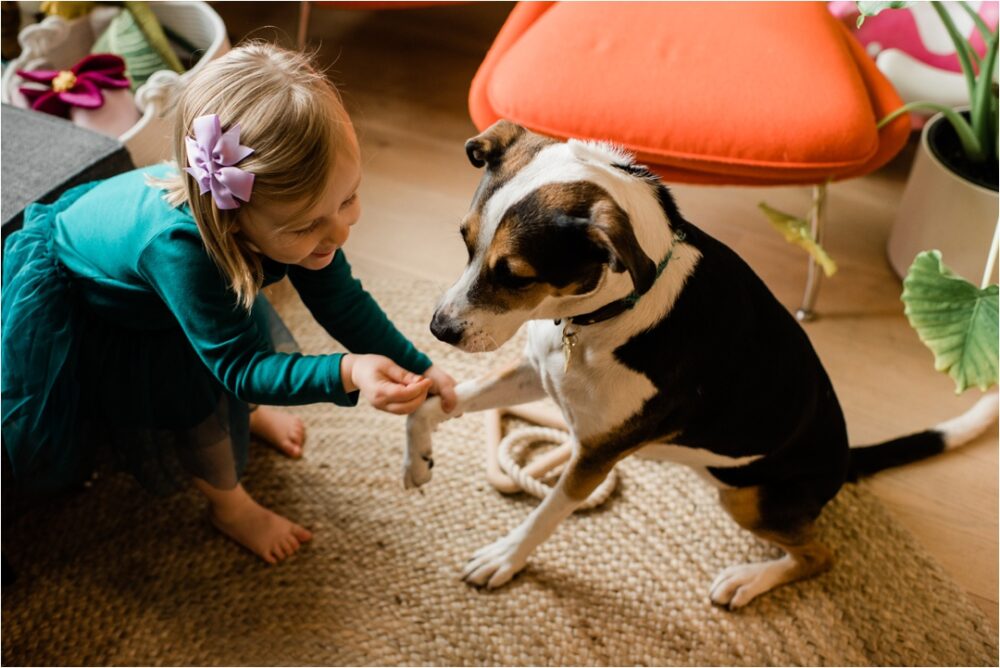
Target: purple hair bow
x=212, y=156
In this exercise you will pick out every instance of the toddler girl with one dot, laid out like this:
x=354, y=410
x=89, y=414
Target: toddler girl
x=132, y=313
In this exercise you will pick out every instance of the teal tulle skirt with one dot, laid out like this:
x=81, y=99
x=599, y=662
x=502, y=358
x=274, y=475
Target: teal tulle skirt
x=75, y=383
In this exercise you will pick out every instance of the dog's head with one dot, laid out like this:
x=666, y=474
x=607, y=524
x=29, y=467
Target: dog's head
x=547, y=234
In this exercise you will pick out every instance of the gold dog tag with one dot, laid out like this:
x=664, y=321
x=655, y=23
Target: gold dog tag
x=568, y=343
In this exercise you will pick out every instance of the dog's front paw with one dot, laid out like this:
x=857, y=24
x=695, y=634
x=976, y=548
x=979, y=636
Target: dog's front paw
x=737, y=585
x=417, y=460
x=495, y=564
x=417, y=472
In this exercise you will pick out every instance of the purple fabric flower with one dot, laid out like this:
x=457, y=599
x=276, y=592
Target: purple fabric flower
x=211, y=156
x=79, y=86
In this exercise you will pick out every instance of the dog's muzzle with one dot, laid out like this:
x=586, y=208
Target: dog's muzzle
x=446, y=329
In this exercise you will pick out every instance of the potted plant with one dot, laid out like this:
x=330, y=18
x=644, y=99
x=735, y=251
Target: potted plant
x=950, y=201
x=950, y=204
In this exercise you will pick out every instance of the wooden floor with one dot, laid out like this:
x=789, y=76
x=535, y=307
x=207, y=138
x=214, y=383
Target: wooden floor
x=405, y=76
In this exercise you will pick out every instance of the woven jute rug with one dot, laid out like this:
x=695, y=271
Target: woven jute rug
x=114, y=576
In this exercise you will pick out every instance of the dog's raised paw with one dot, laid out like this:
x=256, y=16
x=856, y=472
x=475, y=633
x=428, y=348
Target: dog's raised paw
x=417, y=460
x=417, y=471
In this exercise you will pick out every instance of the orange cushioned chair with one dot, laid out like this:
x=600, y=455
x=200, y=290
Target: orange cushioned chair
x=705, y=93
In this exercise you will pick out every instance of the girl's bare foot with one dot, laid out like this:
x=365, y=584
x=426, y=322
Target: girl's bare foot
x=285, y=432
x=270, y=536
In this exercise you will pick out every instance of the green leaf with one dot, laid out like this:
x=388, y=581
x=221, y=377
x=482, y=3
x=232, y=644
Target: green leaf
x=962, y=47
x=983, y=95
x=867, y=9
x=796, y=231
x=984, y=30
x=955, y=319
x=966, y=135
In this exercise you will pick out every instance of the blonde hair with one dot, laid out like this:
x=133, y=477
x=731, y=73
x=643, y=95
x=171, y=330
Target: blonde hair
x=289, y=114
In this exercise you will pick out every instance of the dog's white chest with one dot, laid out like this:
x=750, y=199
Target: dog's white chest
x=594, y=391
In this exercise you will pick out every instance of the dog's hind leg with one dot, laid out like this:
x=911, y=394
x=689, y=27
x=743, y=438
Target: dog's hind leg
x=495, y=564
x=791, y=528
x=516, y=384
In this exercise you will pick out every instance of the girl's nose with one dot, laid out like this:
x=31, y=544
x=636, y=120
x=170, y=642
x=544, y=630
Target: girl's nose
x=339, y=232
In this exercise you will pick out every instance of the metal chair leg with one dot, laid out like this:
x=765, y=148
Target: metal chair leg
x=303, y=24
x=806, y=311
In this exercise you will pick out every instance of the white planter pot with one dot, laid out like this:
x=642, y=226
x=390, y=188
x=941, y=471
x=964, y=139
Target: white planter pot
x=57, y=44
x=941, y=210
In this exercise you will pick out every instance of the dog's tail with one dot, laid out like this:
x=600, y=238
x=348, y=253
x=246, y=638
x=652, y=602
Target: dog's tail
x=950, y=434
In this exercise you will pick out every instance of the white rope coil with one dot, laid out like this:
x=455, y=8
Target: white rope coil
x=535, y=435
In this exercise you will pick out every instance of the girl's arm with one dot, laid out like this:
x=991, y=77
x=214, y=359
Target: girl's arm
x=351, y=315
x=225, y=337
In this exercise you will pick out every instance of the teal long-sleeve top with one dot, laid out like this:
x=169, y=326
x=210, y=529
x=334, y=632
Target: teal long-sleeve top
x=142, y=263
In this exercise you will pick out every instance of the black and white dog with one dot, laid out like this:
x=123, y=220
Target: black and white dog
x=653, y=338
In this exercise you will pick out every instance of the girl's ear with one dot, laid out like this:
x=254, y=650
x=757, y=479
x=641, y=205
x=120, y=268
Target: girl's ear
x=488, y=147
x=235, y=228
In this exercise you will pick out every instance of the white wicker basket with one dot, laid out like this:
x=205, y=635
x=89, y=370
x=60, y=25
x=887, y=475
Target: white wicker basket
x=58, y=44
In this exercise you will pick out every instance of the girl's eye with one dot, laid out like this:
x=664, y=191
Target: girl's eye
x=306, y=230
x=468, y=246
x=349, y=201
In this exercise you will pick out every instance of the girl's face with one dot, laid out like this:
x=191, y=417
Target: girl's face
x=312, y=238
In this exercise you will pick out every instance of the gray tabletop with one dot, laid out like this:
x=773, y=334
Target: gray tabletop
x=43, y=155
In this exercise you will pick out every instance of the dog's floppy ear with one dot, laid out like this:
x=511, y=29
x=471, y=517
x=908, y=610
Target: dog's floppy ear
x=612, y=228
x=488, y=147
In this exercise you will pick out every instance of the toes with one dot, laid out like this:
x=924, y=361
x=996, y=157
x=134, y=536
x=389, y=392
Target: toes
x=285, y=432
x=742, y=596
x=477, y=569
x=285, y=546
x=502, y=576
x=301, y=534
x=722, y=592
x=478, y=575
x=738, y=585
x=487, y=550
x=471, y=567
x=416, y=473
x=491, y=574
x=493, y=565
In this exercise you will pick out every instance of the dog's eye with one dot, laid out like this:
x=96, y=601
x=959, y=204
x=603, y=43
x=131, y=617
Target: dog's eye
x=505, y=277
x=469, y=248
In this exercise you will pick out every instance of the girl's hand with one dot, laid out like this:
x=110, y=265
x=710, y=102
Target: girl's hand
x=383, y=383
x=443, y=386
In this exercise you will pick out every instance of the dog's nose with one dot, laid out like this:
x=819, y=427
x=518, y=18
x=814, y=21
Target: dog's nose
x=446, y=329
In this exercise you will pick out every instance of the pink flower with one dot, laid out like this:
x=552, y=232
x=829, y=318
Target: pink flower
x=79, y=86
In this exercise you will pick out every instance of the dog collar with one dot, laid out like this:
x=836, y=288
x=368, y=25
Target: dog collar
x=627, y=302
